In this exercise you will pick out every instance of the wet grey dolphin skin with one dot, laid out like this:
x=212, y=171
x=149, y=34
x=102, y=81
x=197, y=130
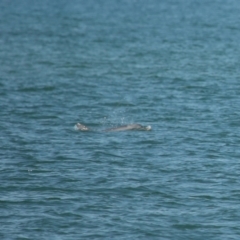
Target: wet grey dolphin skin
x=127, y=127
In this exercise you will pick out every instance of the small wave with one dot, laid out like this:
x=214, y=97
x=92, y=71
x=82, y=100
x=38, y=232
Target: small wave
x=36, y=89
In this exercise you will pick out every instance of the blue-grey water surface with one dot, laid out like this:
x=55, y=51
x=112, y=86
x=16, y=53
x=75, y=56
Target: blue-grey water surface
x=170, y=64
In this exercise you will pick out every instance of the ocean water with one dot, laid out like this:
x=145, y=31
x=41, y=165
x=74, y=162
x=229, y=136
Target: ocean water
x=170, y=64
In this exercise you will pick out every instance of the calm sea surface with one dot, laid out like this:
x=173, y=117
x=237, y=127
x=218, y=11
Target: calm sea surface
x=170, y=64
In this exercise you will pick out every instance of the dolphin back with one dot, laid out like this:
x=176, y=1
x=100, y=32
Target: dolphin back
x=128, y=127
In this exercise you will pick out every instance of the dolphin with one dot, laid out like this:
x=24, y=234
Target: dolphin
x=134, y=126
